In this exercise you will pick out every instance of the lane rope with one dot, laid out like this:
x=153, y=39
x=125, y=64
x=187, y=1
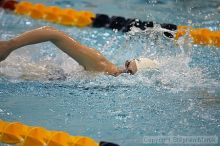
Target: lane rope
x=73, y=17
x=24, y=135
x=200, y=36
x=55, y=14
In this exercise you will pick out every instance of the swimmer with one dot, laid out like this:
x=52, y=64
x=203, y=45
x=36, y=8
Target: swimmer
x=89, y=58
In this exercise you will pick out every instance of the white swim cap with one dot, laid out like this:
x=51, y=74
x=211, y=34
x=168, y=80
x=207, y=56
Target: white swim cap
x=146, y=63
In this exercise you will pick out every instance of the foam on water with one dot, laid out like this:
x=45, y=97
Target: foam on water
x=46, y=62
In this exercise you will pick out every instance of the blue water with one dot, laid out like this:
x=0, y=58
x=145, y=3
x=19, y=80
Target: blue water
x=42, y=86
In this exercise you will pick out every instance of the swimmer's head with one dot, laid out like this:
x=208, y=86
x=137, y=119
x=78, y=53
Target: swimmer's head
x=130, y=67
x=134, y=65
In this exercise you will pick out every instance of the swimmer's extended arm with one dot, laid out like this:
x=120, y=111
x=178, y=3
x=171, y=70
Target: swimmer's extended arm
x=89, y=58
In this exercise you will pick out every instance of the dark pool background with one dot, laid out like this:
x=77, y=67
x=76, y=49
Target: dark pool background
x=41, y=86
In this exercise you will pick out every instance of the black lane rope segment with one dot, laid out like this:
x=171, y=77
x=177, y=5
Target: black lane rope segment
x=122, y=24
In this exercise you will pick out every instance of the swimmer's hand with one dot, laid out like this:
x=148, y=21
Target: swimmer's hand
x=118, y=72
x=4, y=50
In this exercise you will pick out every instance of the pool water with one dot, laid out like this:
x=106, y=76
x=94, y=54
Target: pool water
x=42, y=86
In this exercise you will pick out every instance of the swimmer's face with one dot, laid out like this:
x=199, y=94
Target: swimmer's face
x=130, y=67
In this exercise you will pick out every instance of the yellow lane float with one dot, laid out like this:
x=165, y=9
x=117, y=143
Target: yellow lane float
x=23, y=135
x=55, y=14
x=200, y=36
x=72, y=17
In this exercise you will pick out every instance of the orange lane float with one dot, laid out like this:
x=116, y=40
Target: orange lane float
x=72, y=17
x=200, y=36
x=23, y=135
x=55, y=14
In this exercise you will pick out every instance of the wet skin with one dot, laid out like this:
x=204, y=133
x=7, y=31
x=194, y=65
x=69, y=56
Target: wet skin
x=89, y=58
